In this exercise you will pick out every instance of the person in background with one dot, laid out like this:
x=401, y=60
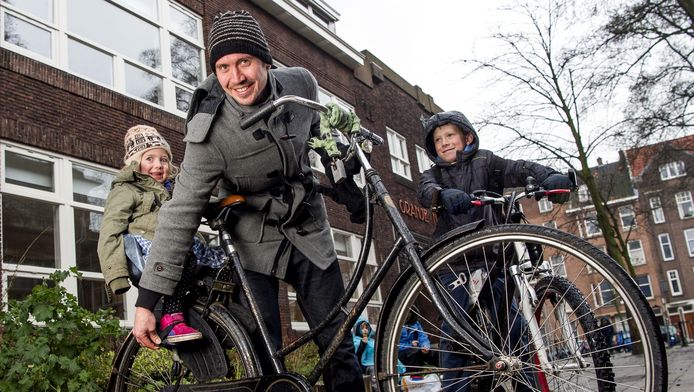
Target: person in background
x=415, y=347
x=130, y=216
x=282, y=233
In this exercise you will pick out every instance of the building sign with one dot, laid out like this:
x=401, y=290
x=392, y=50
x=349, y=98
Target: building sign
x=413, y=210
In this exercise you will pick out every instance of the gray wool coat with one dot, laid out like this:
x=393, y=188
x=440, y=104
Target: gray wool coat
x=273, y=173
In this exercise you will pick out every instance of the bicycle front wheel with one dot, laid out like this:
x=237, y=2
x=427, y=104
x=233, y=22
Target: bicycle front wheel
x=141, y=369
x=583, y=285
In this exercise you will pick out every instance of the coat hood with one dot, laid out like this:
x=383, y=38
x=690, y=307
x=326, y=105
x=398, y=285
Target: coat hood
x=357, y=327
x=450, y=117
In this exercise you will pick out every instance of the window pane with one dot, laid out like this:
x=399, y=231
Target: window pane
x=645, y=285
x=183, y=98
x=183, y=23
x=90, y=63
x=116, y=29
x=19, y=287
x=369, y=272
x=87, y=225
x=185, y=61
x=143, y=7
x=346, y=271
x=342, y=246
x=90, y=186
x=143, y=84
x=27, y=36
x=91, y=295
x=28, y=231
x=29, y=172
x=41, y=8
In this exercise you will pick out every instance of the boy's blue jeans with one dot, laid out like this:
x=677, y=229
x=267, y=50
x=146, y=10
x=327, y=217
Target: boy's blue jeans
x=450, y=352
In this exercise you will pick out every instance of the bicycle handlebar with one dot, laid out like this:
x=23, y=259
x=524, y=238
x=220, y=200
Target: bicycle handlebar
x=538, y=194
x=266, y=110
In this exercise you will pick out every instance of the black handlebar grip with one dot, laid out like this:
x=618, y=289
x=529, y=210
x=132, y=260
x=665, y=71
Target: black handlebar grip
x=261, y=114
x=377, y=140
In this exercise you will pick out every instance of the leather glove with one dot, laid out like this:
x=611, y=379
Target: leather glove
x=455, y=201
x=557, y=181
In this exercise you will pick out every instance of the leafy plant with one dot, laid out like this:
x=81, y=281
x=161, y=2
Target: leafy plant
x=50, y=343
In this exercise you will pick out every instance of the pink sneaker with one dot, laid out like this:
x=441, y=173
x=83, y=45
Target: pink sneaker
x=176, y=329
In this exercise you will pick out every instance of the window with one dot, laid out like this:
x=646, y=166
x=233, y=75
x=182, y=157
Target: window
x=583, y=194
x=672, y=170
x=423, y=161
x=558, y=265
x=52, y=208
x=666, y=247
x=603, y=294
x=591, y=225
x=627, y=217
x=545, y=205
x=398, y=154
x=644, y=282
x=150, y=50
x=551, y=224
x=636, y=252
x=684, y=204
x=657, y=210
x=674, y=280
x=689, y=239
x=347, y=246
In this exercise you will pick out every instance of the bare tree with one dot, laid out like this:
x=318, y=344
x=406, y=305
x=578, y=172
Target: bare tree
x=551, y=96
x=654, y=42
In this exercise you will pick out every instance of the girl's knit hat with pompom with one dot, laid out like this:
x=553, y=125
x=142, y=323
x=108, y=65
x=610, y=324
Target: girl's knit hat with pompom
x=140, y=139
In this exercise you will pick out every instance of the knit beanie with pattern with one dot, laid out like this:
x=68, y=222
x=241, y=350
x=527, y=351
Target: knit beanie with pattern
x=237, y=32
x=140, y=139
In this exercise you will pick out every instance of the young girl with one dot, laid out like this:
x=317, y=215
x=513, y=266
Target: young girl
x=131, y=210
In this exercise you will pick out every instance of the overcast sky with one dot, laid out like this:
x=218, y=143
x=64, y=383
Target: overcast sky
x=422, y=43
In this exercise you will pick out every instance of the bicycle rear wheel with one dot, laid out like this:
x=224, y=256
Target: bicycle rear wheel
x=141, y=369
x=591, y=281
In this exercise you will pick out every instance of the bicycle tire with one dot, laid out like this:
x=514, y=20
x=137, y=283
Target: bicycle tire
x=566, y=331
x=645, y=369
x=141, y=369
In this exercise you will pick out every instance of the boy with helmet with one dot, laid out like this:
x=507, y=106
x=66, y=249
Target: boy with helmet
x=461, y=167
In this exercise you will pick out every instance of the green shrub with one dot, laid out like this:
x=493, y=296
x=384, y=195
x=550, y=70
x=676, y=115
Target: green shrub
x=303, y=359
x=50, y=343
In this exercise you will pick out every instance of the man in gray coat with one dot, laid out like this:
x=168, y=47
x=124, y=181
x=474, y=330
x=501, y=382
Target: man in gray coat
x=283, y=232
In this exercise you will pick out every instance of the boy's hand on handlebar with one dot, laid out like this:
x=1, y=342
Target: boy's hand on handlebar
x=557, y=181
x=455, y=201
x=338, y=118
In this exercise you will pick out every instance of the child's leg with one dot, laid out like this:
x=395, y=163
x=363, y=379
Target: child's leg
x=172, y=321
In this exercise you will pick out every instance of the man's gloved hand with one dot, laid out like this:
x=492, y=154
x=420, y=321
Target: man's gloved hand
x=455, y=201
x=557, y=181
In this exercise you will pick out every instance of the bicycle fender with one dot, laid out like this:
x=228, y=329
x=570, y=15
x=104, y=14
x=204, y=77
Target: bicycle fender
x=205, y=358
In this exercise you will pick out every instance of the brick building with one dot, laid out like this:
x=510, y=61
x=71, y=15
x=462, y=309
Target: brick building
x=75, y=75
x=649, y=193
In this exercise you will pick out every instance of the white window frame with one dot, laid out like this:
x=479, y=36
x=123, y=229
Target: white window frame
x=666, y=246
x=62, y=197
x=399, y=160
x=647, y=283
x=672, y=170
x=354, y=246
x=598, y=297
x=674, y=276
x=689, y=240
x=591, y=220
x=683, y=199
x=423, y=160
x=627, y=213
x=60, y=37
x=657, y=211
x=583, y=194
x=551, y=224
x=544, y=205
x=637, y=256
x=558, y=265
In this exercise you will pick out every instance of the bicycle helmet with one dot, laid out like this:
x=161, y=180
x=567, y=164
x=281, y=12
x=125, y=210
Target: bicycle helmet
x=450, y=117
